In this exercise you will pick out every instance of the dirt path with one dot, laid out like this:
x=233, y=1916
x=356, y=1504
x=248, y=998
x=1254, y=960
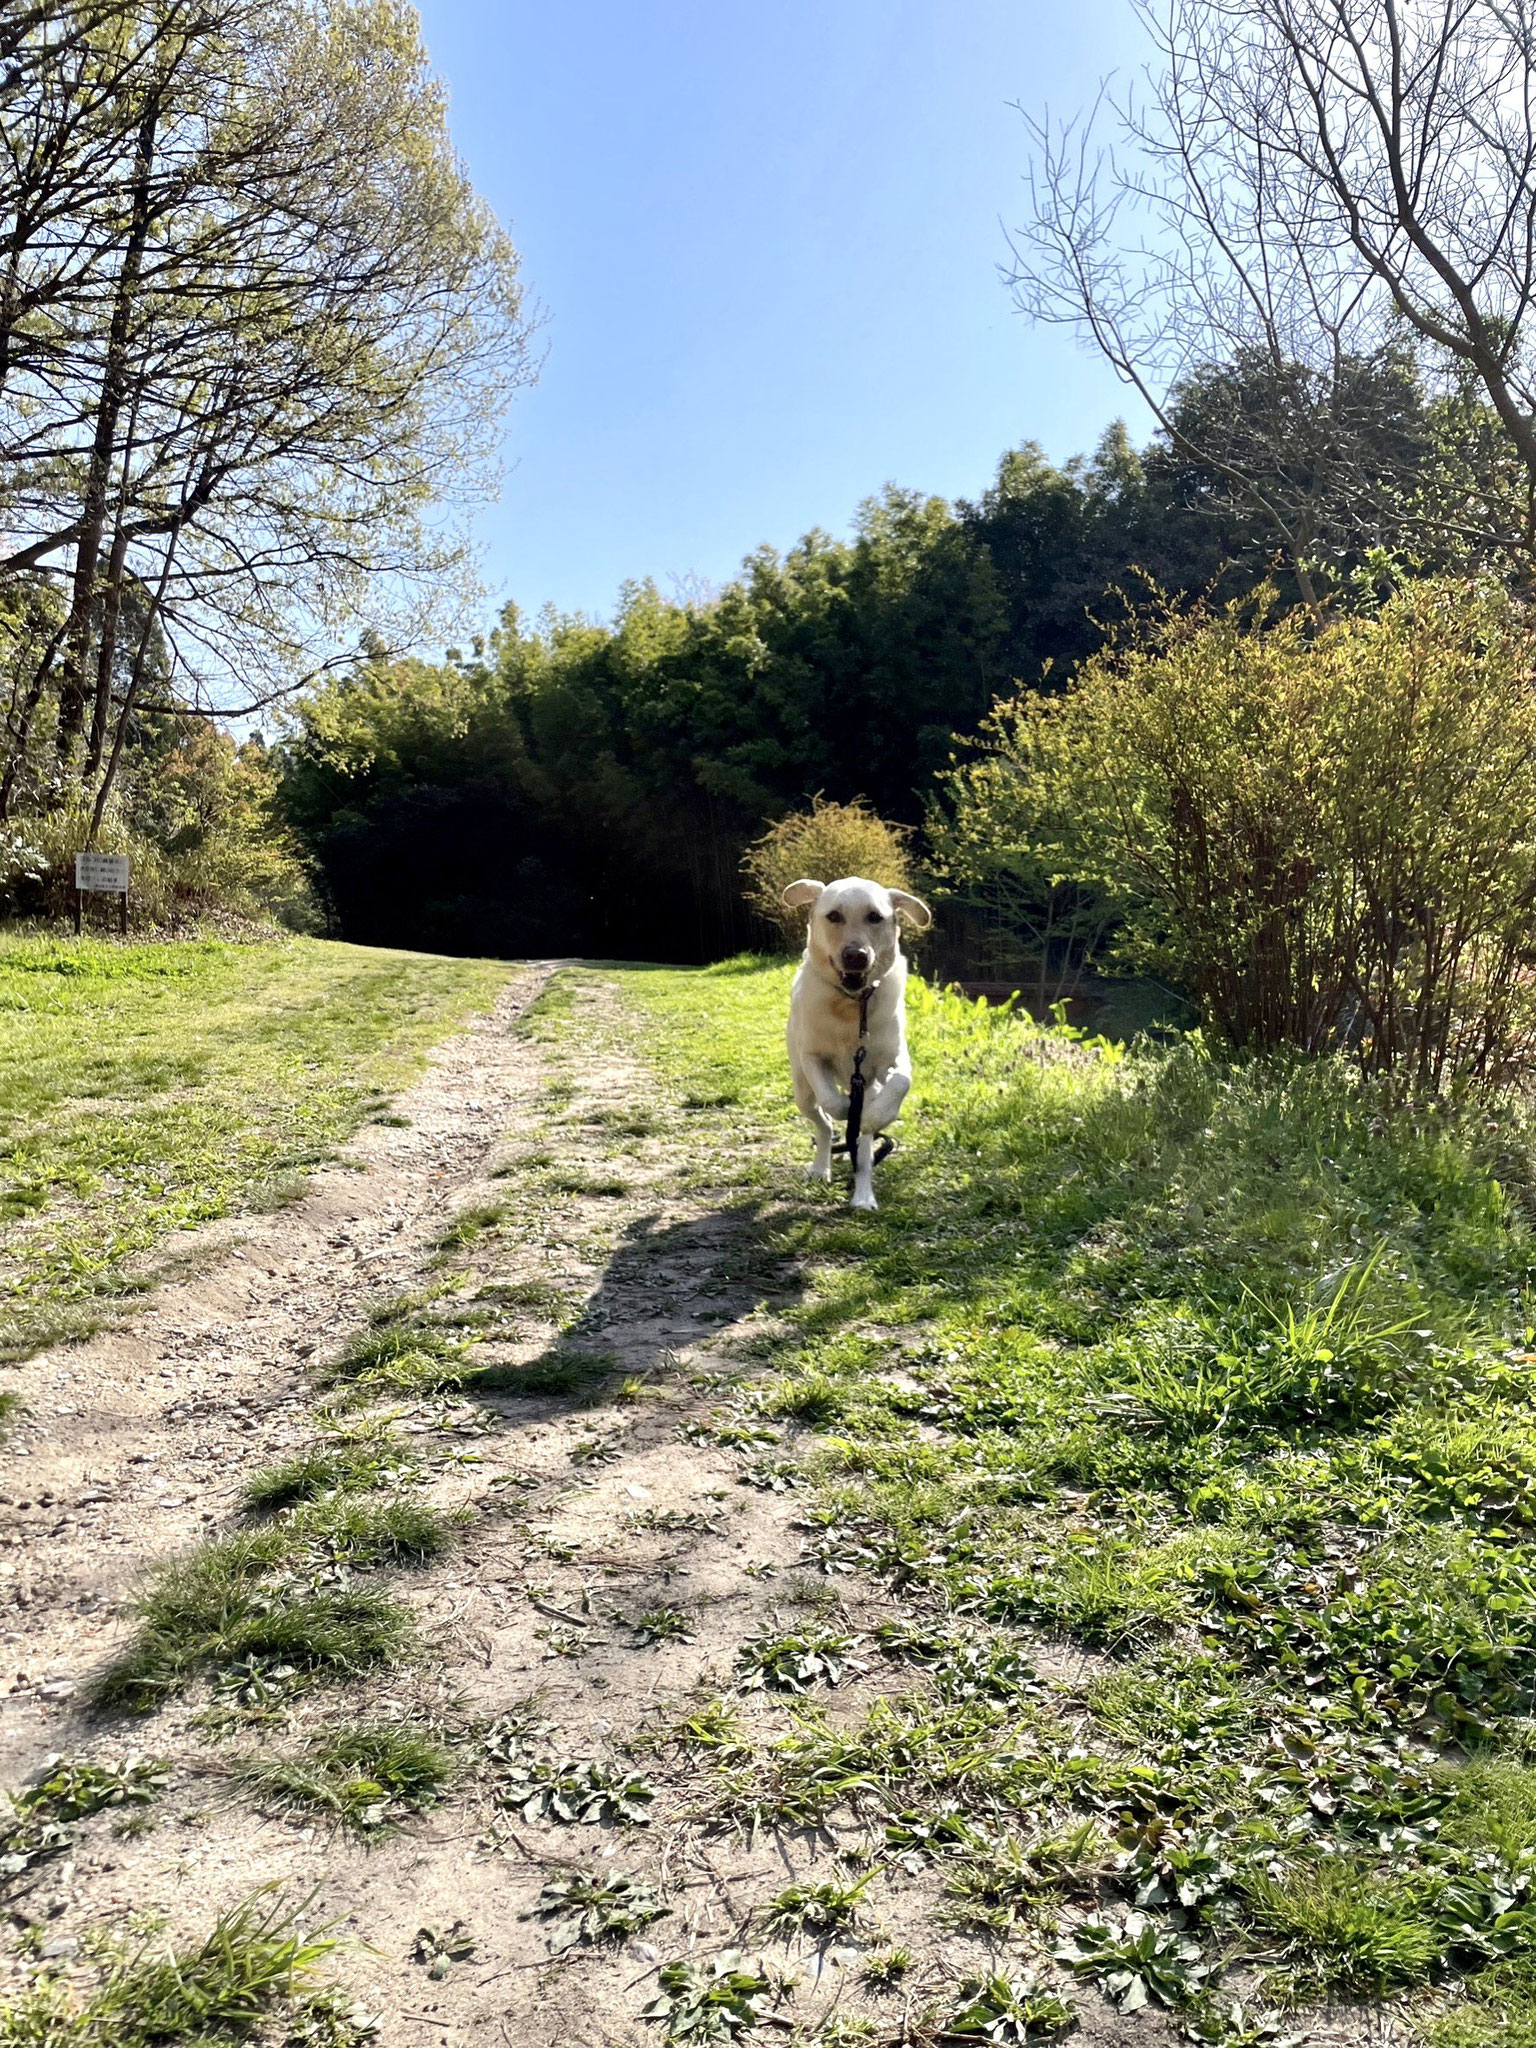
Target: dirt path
x=619, y=1540
x=137, y=1444
x=134, y=1444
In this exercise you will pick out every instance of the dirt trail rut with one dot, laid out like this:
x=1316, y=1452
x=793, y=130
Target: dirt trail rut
x=134, y=1444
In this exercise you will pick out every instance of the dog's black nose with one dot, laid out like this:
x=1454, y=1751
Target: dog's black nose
x=856, y=959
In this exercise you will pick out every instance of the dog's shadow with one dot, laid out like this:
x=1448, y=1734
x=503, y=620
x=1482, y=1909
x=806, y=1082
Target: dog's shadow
x=667, y=1289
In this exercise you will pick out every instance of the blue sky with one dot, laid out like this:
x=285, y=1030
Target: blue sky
x=766, y=241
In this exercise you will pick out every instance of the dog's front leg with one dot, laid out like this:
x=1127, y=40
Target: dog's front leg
x=822, y=1128
x=864, y=1175
x=831, y=1100
x=884, y=1103
x=821, y=1161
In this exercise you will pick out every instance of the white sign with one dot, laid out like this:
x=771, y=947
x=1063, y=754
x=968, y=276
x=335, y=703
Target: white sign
x=102, y=871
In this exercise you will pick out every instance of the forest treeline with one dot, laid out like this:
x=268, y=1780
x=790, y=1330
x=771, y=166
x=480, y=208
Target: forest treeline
x=571, y=785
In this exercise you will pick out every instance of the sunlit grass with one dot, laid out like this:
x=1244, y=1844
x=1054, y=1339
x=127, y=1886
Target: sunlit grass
x=145, y=1089
x=1220, y=1375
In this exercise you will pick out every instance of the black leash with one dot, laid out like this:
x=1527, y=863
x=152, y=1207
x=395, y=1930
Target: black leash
x=884, y=1146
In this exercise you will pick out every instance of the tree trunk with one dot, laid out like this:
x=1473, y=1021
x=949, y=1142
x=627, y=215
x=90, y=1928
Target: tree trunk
x=21, y=732
x=114, y=387
x=111, y=611
x=131, y=694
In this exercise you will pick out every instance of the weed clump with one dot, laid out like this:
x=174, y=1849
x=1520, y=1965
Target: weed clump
x=582, y=1908
x=470, y=1224
x=367, y=1778
x=40, y=1822
x=407, y=1357
x=255, y=1962
x=279, y=1598
x=997, y=2008
x=718, y=2000
x=796, y=1662
x=358, y=1463
x=818, y=1909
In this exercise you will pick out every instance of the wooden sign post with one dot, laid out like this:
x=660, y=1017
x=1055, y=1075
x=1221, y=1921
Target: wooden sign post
x=103, y=874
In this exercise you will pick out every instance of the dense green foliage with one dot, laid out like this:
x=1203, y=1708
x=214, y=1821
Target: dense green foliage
x=1224, y=1379
x=577, y=787
x=584, y=788
x=1322, y=830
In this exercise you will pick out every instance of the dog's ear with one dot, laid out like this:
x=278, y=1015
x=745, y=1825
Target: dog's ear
x=798, y=894
x=912, y=907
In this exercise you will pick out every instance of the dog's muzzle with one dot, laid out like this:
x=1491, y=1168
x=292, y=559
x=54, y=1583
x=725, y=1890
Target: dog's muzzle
x=853, y=966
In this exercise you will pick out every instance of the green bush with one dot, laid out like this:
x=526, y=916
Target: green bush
x=1326, y=833
x=826, y=842
x=195, y=818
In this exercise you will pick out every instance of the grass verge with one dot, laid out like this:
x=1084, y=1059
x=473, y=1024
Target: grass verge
x=150, y=1088
x=1221, y=1374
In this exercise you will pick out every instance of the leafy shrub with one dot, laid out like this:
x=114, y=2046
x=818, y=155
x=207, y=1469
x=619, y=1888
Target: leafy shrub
x=1326, y=834
x=995, y=851
x=828, y=841
x=196, y=822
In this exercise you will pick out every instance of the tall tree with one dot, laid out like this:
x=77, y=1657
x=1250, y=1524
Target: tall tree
x=1308, y=187
x=279, y=328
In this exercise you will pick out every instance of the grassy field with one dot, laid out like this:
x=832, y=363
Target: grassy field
x=148, y=1088
x=1225, y=1376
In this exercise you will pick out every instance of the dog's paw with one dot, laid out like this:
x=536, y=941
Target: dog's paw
x=819, y=1170
x=863, y=1202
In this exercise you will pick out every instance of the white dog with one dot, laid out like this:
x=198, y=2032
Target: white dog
x=853, y=976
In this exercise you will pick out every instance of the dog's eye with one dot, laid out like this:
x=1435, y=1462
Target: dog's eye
x=877, y=917
x=834, y=917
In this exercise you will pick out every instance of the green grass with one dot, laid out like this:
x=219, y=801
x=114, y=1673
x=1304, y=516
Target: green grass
x=1221, y=1372
x=149, y=1088
x=367, y=1778
x=471, y=1224
x=562, y=1374
x=409, y=1356
x=356, y=1461
x=256, y=1963
x=579, y=1181
x=278, y=1601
